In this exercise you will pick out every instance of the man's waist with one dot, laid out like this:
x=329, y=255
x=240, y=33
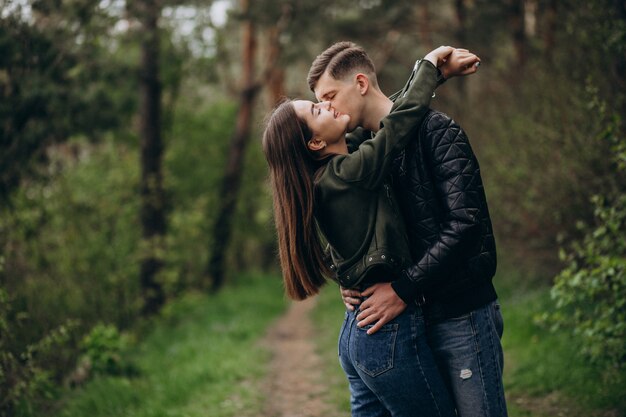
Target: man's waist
x=444, y=305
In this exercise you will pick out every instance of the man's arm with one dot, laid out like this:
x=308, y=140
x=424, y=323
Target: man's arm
x=457, y=183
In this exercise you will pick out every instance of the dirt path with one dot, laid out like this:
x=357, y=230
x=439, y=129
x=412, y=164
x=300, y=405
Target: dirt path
x=294, y=386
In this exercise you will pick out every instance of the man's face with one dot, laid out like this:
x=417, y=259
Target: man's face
x=325, y=122
x=344, y=96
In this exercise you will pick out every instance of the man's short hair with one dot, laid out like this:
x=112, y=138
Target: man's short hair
x=340, y=60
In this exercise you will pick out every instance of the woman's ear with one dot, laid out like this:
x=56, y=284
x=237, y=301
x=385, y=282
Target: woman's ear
x=363, y=83
x=316, y=144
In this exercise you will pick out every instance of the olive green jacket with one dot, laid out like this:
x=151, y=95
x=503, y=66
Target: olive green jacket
x=355, y=207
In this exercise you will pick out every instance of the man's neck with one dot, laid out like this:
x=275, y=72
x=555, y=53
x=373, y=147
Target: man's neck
x=377, y=108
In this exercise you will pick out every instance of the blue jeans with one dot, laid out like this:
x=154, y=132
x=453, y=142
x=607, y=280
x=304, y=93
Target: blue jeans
x=392, y=372
x=469, y=354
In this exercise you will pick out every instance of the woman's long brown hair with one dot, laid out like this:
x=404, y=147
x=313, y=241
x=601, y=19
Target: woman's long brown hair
x=292, y=169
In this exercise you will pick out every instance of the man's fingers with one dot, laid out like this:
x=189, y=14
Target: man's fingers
x=367, y=320
x=353, y=301
x=375, y=327
x=384, y=319
x=349, y=293
x=369, y=291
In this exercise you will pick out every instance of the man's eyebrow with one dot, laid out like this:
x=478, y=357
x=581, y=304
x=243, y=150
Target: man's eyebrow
x=312, y=105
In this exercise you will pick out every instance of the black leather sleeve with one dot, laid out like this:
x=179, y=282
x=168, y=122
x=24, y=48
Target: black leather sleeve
x=457, y=187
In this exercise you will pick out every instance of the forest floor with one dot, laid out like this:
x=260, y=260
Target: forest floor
x=294, y=384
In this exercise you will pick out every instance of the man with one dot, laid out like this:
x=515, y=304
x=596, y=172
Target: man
x=437, y=182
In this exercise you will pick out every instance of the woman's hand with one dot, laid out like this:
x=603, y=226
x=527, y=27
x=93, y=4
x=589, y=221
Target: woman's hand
x=459, y=62
x=438, y=56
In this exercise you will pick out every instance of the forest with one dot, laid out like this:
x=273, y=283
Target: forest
x=132, y=178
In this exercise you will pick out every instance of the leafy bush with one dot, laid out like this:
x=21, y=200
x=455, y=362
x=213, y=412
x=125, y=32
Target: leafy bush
x=25, y=377
x=103, y=349
x=590, y=293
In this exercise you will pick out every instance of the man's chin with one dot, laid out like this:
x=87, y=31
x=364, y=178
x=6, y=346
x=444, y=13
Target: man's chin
x=352, y=125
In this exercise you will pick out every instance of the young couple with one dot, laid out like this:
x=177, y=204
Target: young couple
x=400, y=207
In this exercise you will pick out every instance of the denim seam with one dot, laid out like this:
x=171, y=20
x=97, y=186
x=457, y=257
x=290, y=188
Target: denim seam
x=349, y=329
x=478, y=358
x=341, y=330
x=419, y=363
x=497, y=370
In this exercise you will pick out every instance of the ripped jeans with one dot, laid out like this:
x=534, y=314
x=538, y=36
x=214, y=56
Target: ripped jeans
x=392, y=372
x=469, y=355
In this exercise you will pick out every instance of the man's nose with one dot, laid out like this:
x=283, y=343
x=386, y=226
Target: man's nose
x=324, y=105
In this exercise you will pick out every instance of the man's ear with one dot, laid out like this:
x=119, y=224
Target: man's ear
x=316, y=144
x=363, y=83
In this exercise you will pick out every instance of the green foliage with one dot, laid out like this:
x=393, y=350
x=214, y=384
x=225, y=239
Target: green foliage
x=202, y=358
x=56, y=75
x=103, y=349
x=74, y=238
x=590, y=293
x=68, y=246
x=194, y=163
x=25, y=377
x=544, y=366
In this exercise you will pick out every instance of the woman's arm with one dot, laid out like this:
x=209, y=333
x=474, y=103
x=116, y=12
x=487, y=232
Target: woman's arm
x=370, y=164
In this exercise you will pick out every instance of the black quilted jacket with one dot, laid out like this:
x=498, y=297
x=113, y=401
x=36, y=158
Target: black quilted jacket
x=440, y=192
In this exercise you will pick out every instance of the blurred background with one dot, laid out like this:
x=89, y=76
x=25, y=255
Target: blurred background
x=131, y=171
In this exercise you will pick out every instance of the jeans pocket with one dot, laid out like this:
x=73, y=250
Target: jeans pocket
x=373, y=354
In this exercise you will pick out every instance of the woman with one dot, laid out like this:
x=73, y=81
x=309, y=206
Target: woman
x=319, y=187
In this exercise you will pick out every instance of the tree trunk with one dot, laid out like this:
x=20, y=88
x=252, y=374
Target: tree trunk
x=461, y=36
x=222, y=229
x=517, y=24
x=275, y=74
x=550, y=17
x=424, y=17
x=152, y=195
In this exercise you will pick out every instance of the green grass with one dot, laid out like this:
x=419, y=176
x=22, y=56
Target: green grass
x=201, y=358
x=328, y=317
x=544, y=371
x=542, y=363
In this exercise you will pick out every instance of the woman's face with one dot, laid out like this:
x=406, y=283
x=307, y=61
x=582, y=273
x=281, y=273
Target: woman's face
x=325, y=123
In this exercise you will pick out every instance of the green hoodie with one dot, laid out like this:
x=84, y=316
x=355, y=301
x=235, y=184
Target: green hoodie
x=354, y=205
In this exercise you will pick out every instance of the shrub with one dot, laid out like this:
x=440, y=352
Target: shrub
x=103, y=349
x=25, y=375
x=590, y=293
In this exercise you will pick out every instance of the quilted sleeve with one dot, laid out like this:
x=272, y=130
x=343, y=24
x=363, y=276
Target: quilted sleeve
x=457, y=182
x=370, y=164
